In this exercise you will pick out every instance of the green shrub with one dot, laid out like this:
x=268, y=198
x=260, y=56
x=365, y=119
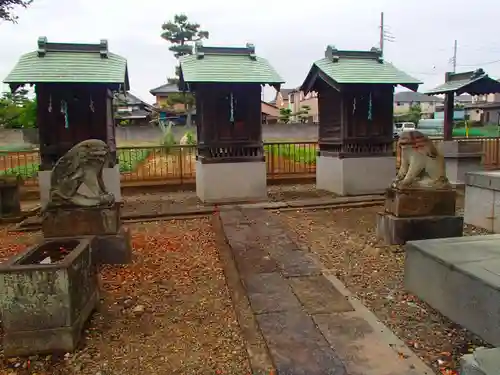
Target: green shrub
x=129, y=159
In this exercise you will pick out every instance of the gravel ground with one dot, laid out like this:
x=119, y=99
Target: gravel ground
x=345, y=240
x=168, y=313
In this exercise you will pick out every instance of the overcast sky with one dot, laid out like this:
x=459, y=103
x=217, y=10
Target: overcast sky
x=291, y=35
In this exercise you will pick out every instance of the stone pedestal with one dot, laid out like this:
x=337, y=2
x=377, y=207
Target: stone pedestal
x=417, y=214
x=355, y=176
x=111, y=177
x=45, y=306
x=482, y=200
x=110, y=243
x=461, y=157
x=231, y=182
x=10, y=202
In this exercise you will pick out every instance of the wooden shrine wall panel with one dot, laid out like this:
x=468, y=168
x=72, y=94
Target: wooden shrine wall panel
x=330, y=114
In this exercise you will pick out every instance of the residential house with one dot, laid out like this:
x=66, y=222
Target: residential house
x=484, y=108
x=162, y=93
x=404, y=100
x=295, y=100
x=270, y=113
x=131, y=110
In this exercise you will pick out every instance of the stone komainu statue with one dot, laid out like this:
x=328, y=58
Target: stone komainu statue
x=422, y=165
x=81, y=165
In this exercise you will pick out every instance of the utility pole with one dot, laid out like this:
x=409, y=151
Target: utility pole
x=382, y=32
x=455, y=57
x=385, y=35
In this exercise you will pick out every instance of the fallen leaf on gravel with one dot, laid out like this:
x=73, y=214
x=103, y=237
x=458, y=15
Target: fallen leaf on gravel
x=167, y=313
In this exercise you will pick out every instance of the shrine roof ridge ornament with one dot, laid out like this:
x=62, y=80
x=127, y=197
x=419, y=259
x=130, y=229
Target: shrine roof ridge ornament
x=248, y=50
x=44, y=47
x=334, y=55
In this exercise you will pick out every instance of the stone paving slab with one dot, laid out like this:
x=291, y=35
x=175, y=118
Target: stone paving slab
x=309, y=324
x=359, y=347
x=269, y=292
x=296, y=345
x=318, y=296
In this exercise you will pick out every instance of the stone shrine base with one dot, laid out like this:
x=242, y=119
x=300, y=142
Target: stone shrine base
x=111, y=242
x=417, y=214
x=231, y=182
x=395, y=230
x=111, y=177
x=459, y=277
x=355, y=176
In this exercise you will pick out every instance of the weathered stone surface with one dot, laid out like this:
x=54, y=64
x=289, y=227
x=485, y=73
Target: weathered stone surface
x=420, y=202
x=482, y=361
x=359, y=347
x=112, y=248
x=81, y=166
x=459, y=277
x=399, y=230
x=44, y=306
x=81, y=221
x=269, y=292
x=297, y=346
x=318, y=296
x=10, y=203
x=250, y=258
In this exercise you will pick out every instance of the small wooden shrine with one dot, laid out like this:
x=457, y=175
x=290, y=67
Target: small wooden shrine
x=227, y=83
x=355, y=101
x=475, y=82
x=74, y=85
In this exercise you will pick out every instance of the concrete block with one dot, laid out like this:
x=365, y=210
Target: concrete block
x=459, y=277
x=482, y=200
x=399, y=230
x=482, y=361
x=355, y=176
x=231, y=182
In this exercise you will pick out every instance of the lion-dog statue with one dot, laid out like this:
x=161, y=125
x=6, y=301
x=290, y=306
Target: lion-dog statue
x=422, y=165
x=81, y=165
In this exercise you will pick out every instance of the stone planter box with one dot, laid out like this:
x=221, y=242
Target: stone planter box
x=44, y=306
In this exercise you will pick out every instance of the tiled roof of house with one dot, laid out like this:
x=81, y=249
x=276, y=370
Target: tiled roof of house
x=70, y=63
x=357, y=67
x=167, y=88
x=227, y=64
x=415, y=97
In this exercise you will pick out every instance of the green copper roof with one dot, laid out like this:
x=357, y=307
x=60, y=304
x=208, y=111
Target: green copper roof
x=231, y=65
x=69, y=63
x=474, y=82
x=359, y=67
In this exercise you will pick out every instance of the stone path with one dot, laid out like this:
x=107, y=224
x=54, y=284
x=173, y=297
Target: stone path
x=307, y=324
